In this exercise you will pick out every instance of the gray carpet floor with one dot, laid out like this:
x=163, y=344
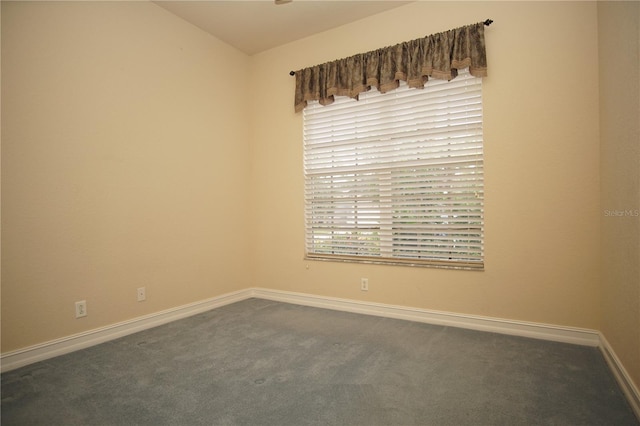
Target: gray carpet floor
x=259, y=362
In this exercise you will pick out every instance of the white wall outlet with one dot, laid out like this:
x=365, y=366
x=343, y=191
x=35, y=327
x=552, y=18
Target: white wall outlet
x=142, y=294
x=81, y=309
x=364, y=284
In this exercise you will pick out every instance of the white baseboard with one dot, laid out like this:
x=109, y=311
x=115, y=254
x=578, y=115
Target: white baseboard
x=50, y=349
x=620, y=373
x=43, y=351
x=572, y=335
x=53, y=348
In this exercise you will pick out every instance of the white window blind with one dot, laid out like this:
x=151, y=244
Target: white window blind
x=397, y=178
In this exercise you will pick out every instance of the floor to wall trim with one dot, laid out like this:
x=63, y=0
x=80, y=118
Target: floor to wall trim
x=496, y=325
x=620, y=373
x=50, y=349
x=53, y=348
x=43, y=351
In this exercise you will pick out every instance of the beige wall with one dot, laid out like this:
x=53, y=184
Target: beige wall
x=124, y=164
x=619, y=37
x=542, y=156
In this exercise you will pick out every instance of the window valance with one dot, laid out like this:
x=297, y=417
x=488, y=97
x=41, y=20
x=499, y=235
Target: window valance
x=437, y=56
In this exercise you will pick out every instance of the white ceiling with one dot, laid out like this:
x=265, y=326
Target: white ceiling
x=253, y=26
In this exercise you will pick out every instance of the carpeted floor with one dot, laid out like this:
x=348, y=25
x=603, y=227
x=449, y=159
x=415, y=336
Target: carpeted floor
x=259, y=362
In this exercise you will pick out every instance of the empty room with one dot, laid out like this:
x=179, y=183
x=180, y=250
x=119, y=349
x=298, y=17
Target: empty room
x=320, y=212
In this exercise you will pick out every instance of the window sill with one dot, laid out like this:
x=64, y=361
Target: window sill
x=439, y=264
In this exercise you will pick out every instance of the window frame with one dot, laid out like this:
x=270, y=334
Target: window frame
x=386, y=224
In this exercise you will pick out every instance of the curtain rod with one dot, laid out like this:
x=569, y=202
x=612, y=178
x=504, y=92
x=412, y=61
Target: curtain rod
x=487, y=22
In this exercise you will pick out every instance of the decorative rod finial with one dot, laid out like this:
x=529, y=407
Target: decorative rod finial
x=292, y=73
x=488, y=22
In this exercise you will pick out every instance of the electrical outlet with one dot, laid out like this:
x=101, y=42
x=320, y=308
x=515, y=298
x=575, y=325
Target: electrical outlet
x=81, y=309
x=364, y=284
x=142, y=294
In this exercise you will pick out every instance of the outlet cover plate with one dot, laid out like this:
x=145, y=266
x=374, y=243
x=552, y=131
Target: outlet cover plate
x=364, y=284
x=81, y=308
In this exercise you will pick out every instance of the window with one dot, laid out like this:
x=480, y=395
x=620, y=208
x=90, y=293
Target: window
x=397, y=178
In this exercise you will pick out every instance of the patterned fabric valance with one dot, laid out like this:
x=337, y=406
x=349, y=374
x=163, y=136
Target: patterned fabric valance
x=437, y=56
